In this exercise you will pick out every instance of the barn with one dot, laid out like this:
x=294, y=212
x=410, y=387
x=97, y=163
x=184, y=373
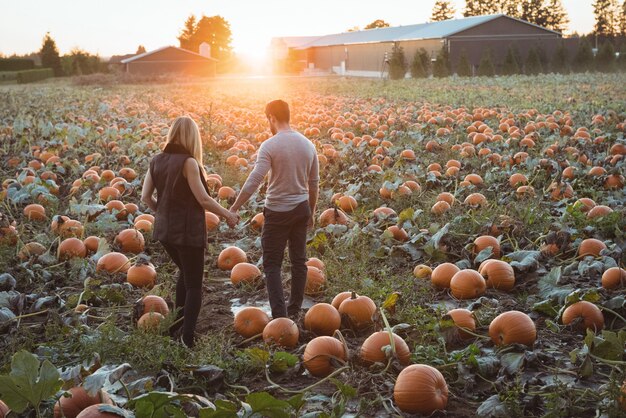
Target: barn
x=171, y=59
x=363, y=53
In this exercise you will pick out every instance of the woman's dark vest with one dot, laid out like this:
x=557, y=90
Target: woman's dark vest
x=179, y=219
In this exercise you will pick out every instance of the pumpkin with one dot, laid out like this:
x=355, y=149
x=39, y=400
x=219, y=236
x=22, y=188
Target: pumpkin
x=613, y=278
x=143, y=225
x=322, y=319
x=281, y=331
x=130, y=241
x=32, y=249
x=512, y=327
x=244, y=273
x=211, y=220
x=71, y=228
x=385, y=212
x=315, y=281
x=145, y=216
x=109, y=193
x=467, y=284
x=439, y=208
x=442, y=274
x=517, y=179
x=498, y=275
x=230, y=257
x=475, y=200
x=598, y=211
x=463, y=318
x=316, y=262
x=336, y=302
x=358, y=310
x=446, y=197
x=257, y=221
x=35, y=212
x=333, y=216
x=591, y=246
x=70, y=407
x=347, y=203
x=422, y=271
x=150, y=321
x=250, y=321
x=153, y=303
x=318, y=354
x=420, y=389
x=93, y=411
x=486, y=241
x=113, y=263
x=590, y=314
x=397, y=233
x=72, y=248
x=91, y=243
x=141, y=275
x=372, y=348
x=226, y=193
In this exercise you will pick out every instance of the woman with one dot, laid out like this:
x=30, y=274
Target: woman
x=182, y=199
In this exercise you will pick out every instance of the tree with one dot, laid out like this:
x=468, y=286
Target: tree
x=354, y=29
x=443, y=10
x=420, y=66
x=583, y=61
x=607, y=23
x=556, y=18
x=215, y=31
x=378, y=23
x=463, y=68
x=50, y=55
x=79, y=62
x=442, y=64
x=560, y=62
x=511, y=65
x=622, y=20
x=486, y=68
x=533, y=63
x=605, y=60
x=397, y=63
x=187, y=33
x=140, y=50
x=479, y=7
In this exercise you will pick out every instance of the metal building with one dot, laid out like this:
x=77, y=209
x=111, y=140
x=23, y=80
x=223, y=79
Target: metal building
x=171, y=59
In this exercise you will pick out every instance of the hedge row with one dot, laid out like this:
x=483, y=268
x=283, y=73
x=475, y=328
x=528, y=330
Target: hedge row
x=16, y=64
x=8, y=75
x=34, y=75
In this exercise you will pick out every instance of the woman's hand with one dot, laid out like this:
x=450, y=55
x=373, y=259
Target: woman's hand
x=232, y=218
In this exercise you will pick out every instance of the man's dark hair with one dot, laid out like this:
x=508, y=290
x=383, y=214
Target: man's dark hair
x=279, y=109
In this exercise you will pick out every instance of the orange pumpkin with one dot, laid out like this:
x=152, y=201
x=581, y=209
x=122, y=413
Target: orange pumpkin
x=244, y=273
x=250, y=321
x=358, y=310
x=590, y=314
x=113, y=263
x=467, y=284
x=72, y=248
x=94, y=411
x=130, y=240
x=141, y=275
x=336, y=302
x=70, y=407
x=420, y=389
x=281, y=331
x=322, y=319
x=150, y=321
x=613, y=278
x=153, y=303
x=372, y=348
x=513, y=327
x=463, y=318
x=442, y=274
x=486, y=241
x=498, y=275
x=315, y=281
x=591, y=246
x=333, y=216
x=230, y=257
x=318, y=354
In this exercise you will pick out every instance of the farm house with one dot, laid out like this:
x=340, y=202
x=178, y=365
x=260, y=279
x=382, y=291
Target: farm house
x=171, y=59
x=363, y=53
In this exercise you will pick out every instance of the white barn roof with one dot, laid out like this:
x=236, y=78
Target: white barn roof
x=430, y=30
x=145, y=54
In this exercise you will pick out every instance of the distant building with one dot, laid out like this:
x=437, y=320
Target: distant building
x=363, y=53
x=171, y=59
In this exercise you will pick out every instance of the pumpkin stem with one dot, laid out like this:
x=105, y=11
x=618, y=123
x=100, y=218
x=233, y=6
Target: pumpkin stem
x=352, y=294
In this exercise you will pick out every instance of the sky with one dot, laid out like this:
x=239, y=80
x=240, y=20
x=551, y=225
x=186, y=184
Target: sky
x=115, y=27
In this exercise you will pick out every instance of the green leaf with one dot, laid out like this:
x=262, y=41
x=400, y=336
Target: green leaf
x=512, y=362
x=266, y=405
x=29, y=383
x=281, y=361
x=117, y=411
x=610, y=345
x=492, y=407
x=547, y=307
x=346, y=390
x=549, y=288
x=94, y=382
x=297, y=401
x=524, y=261
x=223, y=409
x=483, y=255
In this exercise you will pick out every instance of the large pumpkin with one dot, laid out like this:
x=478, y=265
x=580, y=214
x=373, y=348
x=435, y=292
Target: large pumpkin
x=113, y=263
x=250, y=321
x=589, y=313
x=94, y=412
x=230, y=257
x=498, y=275
x=420, y=389
x=141, y=275
x=463, y=318
x=614, y=278
x=130, y=241
x=315, y=281
x=358, y=310
x=281, y=331
x=244, y=273
x=442, y=274
x=467, y=284
x=72, y=406
x=322, y=319
x=318, y=355
x=513, y=327
x=372, y=348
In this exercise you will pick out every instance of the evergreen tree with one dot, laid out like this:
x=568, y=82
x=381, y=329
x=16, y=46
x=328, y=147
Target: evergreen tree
x=443, y=10
x=486, y=68
x=420, y=66
x=463, y=68
x=607, y=18
x=442, y=64
x=480, y=7
x=511, y=65
x=560, y=62
x=187, y=33
x=378, y=23
x=605, y=60
x=533, y=63
x=622, y=20
x=140, y=50
x=215, y=31
x=50, y=55
x=583, y=61
x=557, y=18
x=397, y=63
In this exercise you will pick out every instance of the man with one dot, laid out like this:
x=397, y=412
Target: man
x=293, y=186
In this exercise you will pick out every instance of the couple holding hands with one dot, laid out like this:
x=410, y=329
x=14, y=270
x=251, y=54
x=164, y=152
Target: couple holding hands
x=182, y=196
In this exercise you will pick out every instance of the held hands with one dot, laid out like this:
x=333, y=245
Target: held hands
x=232, y=218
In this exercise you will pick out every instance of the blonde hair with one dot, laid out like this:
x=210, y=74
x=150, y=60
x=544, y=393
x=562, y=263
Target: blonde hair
x=184, y=131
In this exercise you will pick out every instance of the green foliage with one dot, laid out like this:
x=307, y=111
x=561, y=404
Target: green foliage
x=378, y=23
x=50, y=55
x=158, y=405
x=397, y=63
x=486, y=68
x=30, y=382
x=79, y=62
x=30, y=76
x=16, y=64
x=420, y=66
x=441, y=68
x=442, y=10
x=605, y=60
x=533, y=63
x=583, y=61
x=560, y=61
x=510, y=65
x=607, y=17
x=258, y=404
x=463, y=68
x=214, y=30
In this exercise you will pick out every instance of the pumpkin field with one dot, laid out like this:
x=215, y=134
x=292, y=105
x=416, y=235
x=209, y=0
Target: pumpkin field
x=467, y=258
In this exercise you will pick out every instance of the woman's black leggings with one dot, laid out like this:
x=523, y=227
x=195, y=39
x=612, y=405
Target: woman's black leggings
x=190, y=262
